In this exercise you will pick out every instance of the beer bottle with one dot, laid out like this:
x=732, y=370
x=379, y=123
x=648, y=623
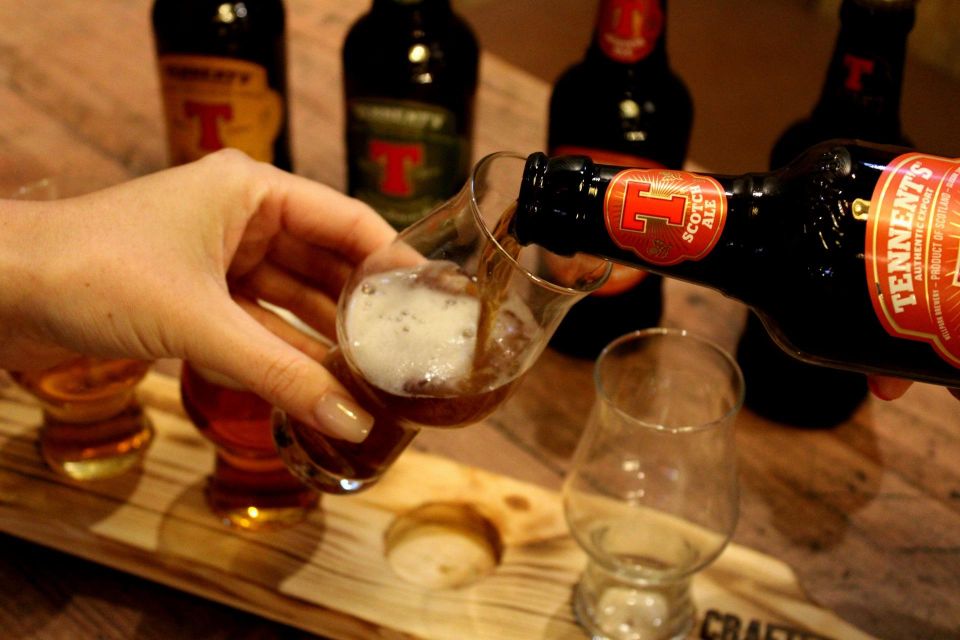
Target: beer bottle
x=860, y=99
x=223, y=78
x=848, y=254
x=621, y=104
x=409, y=76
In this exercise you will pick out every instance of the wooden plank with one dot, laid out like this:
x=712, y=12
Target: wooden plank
x=330, y=575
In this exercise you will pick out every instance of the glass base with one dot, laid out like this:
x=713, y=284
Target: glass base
x=257, y=494
x=314, y=476
x=252, y=518
x=301, y=465
x=614, y=609
x=96, y=450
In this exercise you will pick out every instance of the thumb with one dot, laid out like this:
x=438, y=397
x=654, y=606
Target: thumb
x=235, y=345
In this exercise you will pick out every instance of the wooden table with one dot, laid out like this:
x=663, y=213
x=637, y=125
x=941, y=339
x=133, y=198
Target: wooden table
x=868, y=514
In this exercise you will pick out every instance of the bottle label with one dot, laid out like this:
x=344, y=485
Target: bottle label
x=405, y=157
x=912, y=249
x=622, y=278
x=664, y=217
x=213, y=102
x=628, y=30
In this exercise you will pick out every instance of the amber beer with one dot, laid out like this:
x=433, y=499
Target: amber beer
x=250, y=487
x=93, y=426
x=848, y=254
x=860, y=99
x=409, y=377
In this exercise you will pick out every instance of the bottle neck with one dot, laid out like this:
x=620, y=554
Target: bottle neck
x=630, y=34
x=861, y=93
x=670, y=222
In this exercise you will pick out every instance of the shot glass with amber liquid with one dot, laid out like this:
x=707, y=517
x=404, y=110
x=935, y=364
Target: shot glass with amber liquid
x=250, y=487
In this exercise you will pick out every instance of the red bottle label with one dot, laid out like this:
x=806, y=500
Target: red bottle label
x=629, y=29
x=912, y=249
x=622, y=278
x=212, y=103
x=663, y=216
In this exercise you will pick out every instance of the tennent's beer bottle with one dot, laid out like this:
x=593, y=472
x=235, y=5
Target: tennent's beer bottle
x=410, y=75
x=622, y=104
x=860, y=99
x=849, y=254
x=223, y=78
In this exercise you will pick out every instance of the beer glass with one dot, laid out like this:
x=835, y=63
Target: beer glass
x=436, y=329
x=250, y=488
x=93, y=425
x=651, y=495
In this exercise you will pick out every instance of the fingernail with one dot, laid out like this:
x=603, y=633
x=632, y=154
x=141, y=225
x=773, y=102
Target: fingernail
x=343, y=418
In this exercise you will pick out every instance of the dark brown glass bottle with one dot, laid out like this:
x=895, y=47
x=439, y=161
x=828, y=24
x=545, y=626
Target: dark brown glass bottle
x=860, y=99
x=409, y=76
x=845, y=254
x=622, y=104
x=223, y=78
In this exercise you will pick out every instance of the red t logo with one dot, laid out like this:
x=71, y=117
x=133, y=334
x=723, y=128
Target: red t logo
x=398, y=160
x=856, y=69
x=639, y=206
x=209, y=115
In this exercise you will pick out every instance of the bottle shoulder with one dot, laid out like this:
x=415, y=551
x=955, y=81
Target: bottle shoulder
x=209, y=17
x=651, y=121
x=618, y=79
x=378, y=58
x=376, y=39
x=817, y=128
x=252, y=31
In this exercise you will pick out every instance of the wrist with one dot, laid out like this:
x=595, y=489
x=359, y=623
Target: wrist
x=25, y=270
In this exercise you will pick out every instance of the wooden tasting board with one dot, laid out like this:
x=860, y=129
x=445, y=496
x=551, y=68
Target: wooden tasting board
x=329, y=575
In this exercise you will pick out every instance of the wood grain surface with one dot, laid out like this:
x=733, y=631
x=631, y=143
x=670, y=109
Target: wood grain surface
x=867, y=515
x=334, y=573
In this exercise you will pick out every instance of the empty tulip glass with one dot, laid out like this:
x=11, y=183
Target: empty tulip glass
x=652, y=494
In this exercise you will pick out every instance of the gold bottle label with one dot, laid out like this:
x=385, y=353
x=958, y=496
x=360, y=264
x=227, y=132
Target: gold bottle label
x=212, y=102
x=912, y=251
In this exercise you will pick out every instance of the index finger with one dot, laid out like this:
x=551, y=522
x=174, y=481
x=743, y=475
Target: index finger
x=325, y=217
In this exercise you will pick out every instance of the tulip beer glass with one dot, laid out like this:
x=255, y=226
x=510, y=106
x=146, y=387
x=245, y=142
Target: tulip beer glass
x=250, y=488
x=651, y=495
x=436, y=329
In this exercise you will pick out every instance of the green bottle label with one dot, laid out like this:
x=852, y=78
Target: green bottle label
x=405, y=157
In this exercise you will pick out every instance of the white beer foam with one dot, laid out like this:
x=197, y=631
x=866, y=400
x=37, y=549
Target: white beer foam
x=402, y=332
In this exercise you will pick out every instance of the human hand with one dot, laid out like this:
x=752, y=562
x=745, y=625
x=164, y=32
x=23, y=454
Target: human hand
x=171, y=265
x=887, y=388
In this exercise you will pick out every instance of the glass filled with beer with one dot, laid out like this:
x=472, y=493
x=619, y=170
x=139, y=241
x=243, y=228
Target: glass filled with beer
x=93, y=426
x=250, y=488
x=437, y=328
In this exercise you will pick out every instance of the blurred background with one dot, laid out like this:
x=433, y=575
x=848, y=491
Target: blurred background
x=752, y=67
